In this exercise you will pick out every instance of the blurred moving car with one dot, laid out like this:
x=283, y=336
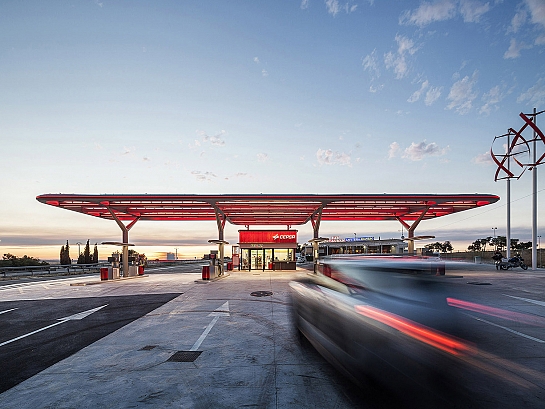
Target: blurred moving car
x=301, y=259
x=383, y=318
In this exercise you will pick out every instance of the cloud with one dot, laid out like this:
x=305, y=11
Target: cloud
x=462, y=95
x=417, y=151
x=483, y=158
x=537, y=11
x=203, y=176
x=397, y=61
x=472, y=10
x=416, y=95
x=442, y=10
x=328, y=157
x=214, y=140
x=262, y=157
x=393, y=151
x=491, y=100
x=370, y=63
x=518, y=20
x=128, y=151
x=334, y=7
x=264, y=72
x=514, y=49
x=304, y=4
x=432, y=95
x=535, y=95
x=256, y=60
x=528, y=12
x=428, y=13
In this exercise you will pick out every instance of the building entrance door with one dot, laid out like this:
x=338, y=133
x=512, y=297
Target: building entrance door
x=261, y=259
x=256, y=259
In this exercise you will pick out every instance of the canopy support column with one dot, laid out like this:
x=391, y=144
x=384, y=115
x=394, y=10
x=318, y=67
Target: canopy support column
x=411, y=228
x=315, y=219
x=125, y=241
x=220, y=221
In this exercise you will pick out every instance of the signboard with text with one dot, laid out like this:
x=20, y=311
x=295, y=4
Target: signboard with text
x=267, y=236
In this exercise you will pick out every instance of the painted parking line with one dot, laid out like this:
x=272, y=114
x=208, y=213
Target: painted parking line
x=74, y=317
x=520, y=334
x=542, y=303
x=3, y=312
x=59, y=281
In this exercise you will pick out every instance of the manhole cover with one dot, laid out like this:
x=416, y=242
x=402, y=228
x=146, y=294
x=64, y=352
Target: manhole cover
x=147, y=348
x=184, y=356
x=261, y=293
x=477, y=283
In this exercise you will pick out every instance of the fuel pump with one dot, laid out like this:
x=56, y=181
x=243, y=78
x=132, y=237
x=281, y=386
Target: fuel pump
x=214, y=267
x=113, y=269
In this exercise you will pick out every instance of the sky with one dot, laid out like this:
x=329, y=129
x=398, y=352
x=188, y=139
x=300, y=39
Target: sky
x=301, y=96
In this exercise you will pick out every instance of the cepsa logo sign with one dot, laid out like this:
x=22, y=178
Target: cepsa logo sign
x=290, y=237
x=267, y=236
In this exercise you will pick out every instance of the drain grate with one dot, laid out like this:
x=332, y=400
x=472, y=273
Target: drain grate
x=261, y=293
x=184, y=356
x=147, y=348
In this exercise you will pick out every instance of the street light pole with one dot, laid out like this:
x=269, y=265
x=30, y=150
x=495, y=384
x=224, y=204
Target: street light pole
x=539, y=249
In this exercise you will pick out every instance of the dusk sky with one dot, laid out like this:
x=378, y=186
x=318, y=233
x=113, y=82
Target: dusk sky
x=306, y=96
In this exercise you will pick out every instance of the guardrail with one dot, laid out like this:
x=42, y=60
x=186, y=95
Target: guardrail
x=8, y=272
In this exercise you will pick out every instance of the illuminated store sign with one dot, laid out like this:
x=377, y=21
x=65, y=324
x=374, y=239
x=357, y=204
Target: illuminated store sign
x=267, y=236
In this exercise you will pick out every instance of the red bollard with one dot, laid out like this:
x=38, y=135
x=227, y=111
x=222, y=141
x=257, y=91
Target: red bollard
x=206, y=272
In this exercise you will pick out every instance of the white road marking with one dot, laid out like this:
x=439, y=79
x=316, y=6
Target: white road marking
x=222, y=311
x=508, y=329
x=3, y=312
x=542, y=303
x=42, y=283
x=77, y=316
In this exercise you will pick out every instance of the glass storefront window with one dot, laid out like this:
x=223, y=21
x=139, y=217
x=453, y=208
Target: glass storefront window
x=284, y=255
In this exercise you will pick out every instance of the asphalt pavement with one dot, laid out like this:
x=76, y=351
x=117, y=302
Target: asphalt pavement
x=168, y=339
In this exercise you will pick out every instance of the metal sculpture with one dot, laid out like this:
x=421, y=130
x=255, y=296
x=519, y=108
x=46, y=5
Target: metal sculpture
x=518, y=149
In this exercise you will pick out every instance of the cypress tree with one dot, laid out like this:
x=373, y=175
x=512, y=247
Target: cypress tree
x=61, y=258
x=87, y=254
x=95, y=254
x=67, y=259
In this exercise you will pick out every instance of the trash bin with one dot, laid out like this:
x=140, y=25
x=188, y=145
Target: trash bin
x=229, y=266
x=206, y=272
x=103, y=273
x=140, y=270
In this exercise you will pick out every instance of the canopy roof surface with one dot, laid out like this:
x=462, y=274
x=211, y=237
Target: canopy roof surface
x=268, y=209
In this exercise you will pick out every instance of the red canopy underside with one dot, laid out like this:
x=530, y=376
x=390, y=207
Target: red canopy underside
x=268, y=209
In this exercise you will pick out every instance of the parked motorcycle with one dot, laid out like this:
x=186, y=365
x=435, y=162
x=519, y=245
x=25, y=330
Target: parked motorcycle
x=516, y=261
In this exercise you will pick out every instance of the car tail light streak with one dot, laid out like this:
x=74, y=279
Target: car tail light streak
x=415, y=330
x=496, y=312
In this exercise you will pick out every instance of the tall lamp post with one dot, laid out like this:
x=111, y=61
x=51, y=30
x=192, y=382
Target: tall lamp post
x=539, y=249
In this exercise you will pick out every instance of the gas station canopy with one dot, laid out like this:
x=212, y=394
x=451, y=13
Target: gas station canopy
x=269, y=209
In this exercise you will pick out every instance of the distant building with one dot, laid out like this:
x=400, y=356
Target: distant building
x=362, y=245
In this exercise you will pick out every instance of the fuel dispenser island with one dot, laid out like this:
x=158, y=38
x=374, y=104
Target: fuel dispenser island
x=212, y=270
x=114, y=271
